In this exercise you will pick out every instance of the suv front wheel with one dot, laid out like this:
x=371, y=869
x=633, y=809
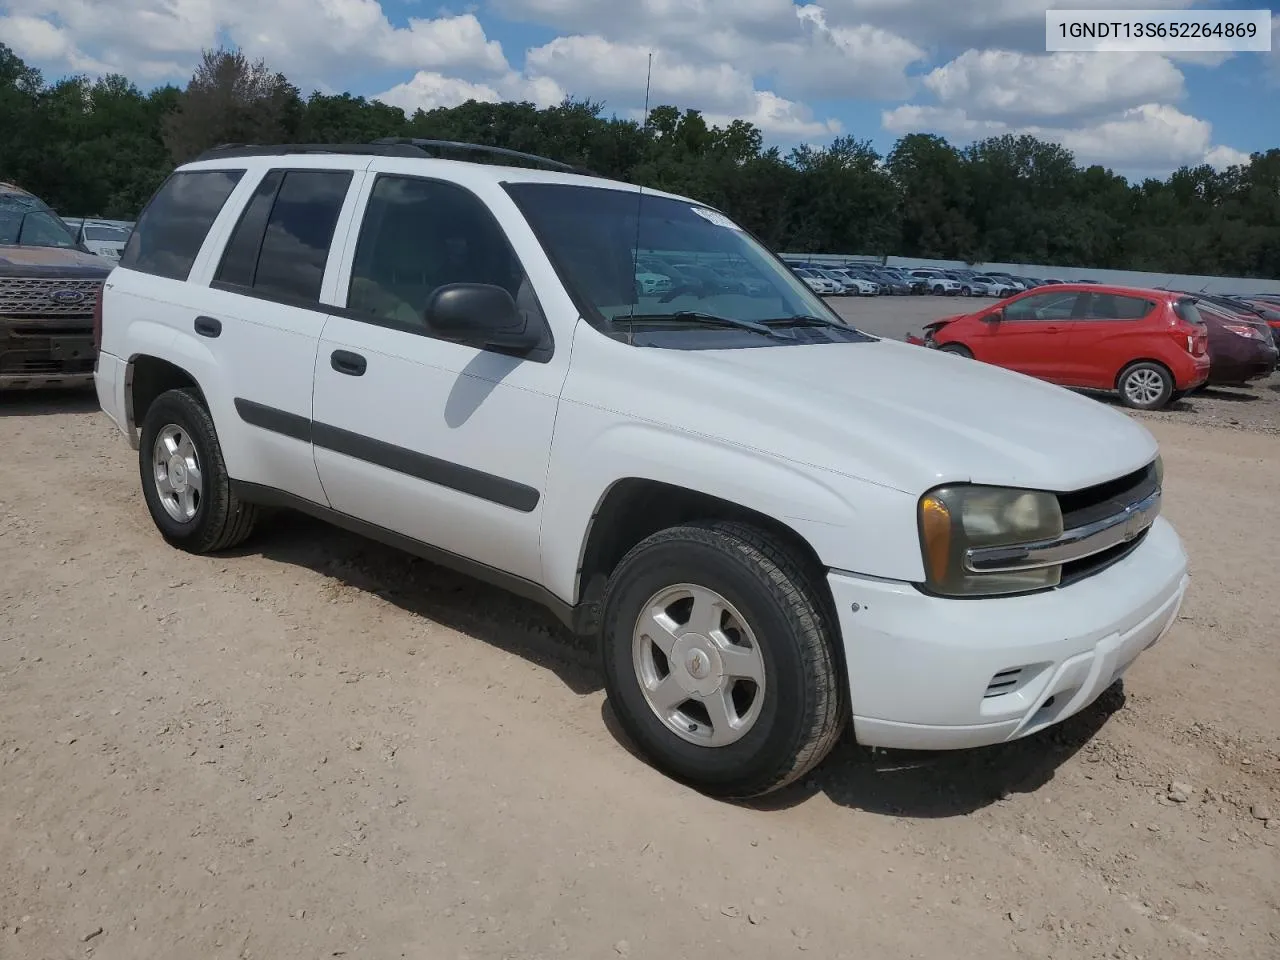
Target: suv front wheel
x=719, y=659
x=184, y=479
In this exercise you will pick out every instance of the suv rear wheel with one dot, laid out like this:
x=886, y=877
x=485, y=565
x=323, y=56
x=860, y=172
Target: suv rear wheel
x=719, y=660
x=184, y=479
x=1145, y=385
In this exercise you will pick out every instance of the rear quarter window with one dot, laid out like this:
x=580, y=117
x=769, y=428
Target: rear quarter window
x=1188, y=312
x=173, y=227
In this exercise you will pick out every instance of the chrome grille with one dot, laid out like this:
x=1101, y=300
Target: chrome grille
x=23, y=297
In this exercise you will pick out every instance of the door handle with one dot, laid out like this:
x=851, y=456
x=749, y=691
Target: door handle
x=344, y=361
x=1052, y=329
x=208, y=327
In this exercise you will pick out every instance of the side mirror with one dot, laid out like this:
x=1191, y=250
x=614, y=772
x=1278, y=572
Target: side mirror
x=995, y=316
x=479, y=314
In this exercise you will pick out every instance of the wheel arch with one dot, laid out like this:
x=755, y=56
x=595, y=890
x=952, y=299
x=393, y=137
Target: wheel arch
x=634, y=508
x=146, y=378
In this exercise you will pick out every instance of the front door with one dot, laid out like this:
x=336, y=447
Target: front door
x=1030, y=336
x=442, y=442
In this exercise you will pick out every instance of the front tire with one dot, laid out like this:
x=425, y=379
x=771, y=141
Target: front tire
x=1145, y=385
x=719, y=659
x=184, y=478
x=956, y=349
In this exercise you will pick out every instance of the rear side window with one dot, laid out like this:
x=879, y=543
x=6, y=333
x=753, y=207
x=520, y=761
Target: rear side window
x=174, y=224
x=1187, y=311
x=1114, y=306
x=279, y=248
x=240, y=259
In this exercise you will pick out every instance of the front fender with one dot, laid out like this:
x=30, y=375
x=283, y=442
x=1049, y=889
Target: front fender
x=850, y=524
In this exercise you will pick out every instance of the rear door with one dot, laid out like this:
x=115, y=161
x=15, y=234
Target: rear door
x=1031, y=336
x=1108, y=332
x=262, y=313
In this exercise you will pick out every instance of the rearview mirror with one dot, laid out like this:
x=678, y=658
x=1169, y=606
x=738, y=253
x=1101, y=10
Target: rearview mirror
x=479, y=314
x=995, y=316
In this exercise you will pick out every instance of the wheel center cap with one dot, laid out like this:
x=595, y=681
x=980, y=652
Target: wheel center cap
x=696, y=665
x=177, y=472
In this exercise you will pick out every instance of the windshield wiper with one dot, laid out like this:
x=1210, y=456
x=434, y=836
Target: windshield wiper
x=807, y=320
x=705, y=319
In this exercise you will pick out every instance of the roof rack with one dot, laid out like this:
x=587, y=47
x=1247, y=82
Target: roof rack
x=454, y=146
x=232, y=150
x=410, y=147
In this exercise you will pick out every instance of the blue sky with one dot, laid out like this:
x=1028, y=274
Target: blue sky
x=803, y=72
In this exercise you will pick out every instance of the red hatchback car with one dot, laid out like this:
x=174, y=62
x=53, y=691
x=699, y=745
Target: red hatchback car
x=1150, y=346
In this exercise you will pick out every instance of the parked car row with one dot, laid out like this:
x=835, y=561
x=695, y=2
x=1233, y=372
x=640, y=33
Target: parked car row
x=105, y=238
x=853, y=278
x=1149, y=346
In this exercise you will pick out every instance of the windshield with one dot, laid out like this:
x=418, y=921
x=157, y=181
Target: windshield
x=26, y=222
x=602, y=240
x=106, y=234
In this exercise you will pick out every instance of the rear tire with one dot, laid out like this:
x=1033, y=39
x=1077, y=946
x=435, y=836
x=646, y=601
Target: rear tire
x=184, y=478
x=956, y=349
x=697, y=592
x=1145, y=385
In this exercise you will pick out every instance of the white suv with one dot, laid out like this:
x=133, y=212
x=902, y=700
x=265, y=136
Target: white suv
x=776, y=525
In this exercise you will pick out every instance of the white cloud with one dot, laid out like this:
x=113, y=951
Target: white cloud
x=1150, y=139
x=616, y=72
x=1018, y=86
x=796, y=47
x=591, y=66
x=309, y=40
x=1222, y=157
x=780, y=118
x=427, y=90
x=1006, y=24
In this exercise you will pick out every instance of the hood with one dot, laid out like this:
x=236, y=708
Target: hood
x=941, y=322
x=61, y=262
x=885, y=412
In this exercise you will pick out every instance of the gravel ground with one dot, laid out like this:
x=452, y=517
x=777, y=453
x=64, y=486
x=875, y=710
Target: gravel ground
x=1254, y=408
x=318, y=747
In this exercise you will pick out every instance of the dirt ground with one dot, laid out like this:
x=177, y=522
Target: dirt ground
x=318, y=747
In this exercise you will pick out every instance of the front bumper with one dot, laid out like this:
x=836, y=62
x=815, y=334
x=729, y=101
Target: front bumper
x=928, y=673
x=45, y=353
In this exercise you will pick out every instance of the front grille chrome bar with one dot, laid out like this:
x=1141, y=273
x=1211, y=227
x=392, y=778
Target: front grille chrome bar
x=1079, y=543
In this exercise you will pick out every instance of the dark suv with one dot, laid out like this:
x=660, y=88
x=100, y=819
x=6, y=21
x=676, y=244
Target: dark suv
x=49, y=286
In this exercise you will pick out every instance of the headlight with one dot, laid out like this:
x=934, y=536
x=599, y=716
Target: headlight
x=956, y=519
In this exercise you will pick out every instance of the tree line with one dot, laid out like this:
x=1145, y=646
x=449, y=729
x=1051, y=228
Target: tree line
x=100, y=147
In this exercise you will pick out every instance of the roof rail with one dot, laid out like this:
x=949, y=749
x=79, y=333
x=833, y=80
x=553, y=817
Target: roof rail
x=391, y=147
x=455, y=146
x=233, y=150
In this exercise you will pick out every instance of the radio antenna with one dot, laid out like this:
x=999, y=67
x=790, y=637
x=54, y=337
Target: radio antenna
x=635, y=253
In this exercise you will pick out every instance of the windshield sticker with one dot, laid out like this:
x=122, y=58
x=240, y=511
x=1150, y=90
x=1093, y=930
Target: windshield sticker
x=719, y=219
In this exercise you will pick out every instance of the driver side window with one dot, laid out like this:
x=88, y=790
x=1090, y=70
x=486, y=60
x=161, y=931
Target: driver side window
x=1042, y=307
x=419, y=235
